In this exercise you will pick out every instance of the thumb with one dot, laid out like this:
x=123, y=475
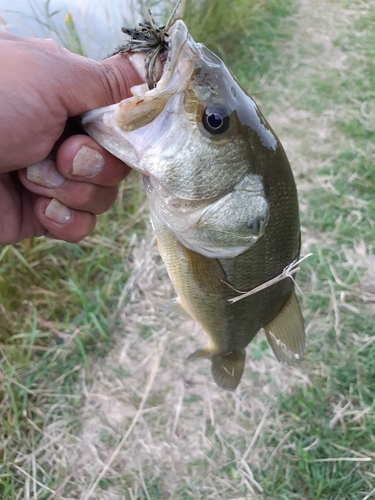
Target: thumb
x=101, y=83
x=43, y=84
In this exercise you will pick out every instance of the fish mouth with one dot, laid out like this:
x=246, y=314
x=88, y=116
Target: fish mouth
x=178, y=36
x=112, y=125
x=169, y=58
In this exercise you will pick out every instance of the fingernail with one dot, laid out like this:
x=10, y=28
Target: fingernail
x=87, y=162
x=45, y=174
x=58, y=212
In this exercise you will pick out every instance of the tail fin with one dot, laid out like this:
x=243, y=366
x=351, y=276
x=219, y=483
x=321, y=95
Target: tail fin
x=227, y=369
x=286, y=333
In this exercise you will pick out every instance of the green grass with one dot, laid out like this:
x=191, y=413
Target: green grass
x=58, y=306
x=246, y=35
x=326, y=455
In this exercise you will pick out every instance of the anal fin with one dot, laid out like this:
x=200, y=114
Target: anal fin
x=202, y=352
x=286, y=332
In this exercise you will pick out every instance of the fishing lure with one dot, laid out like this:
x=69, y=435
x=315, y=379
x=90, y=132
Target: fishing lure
x=149, y=38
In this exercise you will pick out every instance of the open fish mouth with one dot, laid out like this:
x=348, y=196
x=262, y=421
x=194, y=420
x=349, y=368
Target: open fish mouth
x=109, y=125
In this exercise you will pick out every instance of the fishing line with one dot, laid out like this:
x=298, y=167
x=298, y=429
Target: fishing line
x=288, y=272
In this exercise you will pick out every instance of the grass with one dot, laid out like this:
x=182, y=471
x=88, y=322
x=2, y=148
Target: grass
x=58, y=305
x=94, y=390
x=327, y=446
x=252, y=32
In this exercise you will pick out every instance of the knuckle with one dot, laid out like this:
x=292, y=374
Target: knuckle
x=110, y=83
x=51, y=45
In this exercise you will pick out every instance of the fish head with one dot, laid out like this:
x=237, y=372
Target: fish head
x=200, y=142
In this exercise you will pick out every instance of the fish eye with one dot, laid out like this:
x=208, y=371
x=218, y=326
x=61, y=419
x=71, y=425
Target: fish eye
x=215, y=120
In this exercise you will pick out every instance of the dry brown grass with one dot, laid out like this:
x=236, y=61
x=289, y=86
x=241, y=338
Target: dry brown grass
x=185, y=428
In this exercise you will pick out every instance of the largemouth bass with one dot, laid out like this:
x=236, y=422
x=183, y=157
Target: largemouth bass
x=222, y=197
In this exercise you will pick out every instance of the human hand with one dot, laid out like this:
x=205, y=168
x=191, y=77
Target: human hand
x=53, y=185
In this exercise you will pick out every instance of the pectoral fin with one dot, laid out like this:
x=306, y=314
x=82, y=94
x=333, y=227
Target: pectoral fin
x=206, y=272
x=227, y=369
x=286, y=332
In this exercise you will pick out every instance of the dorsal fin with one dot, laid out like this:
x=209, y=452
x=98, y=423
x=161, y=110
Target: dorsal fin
x=286, y=332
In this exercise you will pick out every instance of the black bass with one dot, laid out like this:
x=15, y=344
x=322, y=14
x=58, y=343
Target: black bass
x=222, y=197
